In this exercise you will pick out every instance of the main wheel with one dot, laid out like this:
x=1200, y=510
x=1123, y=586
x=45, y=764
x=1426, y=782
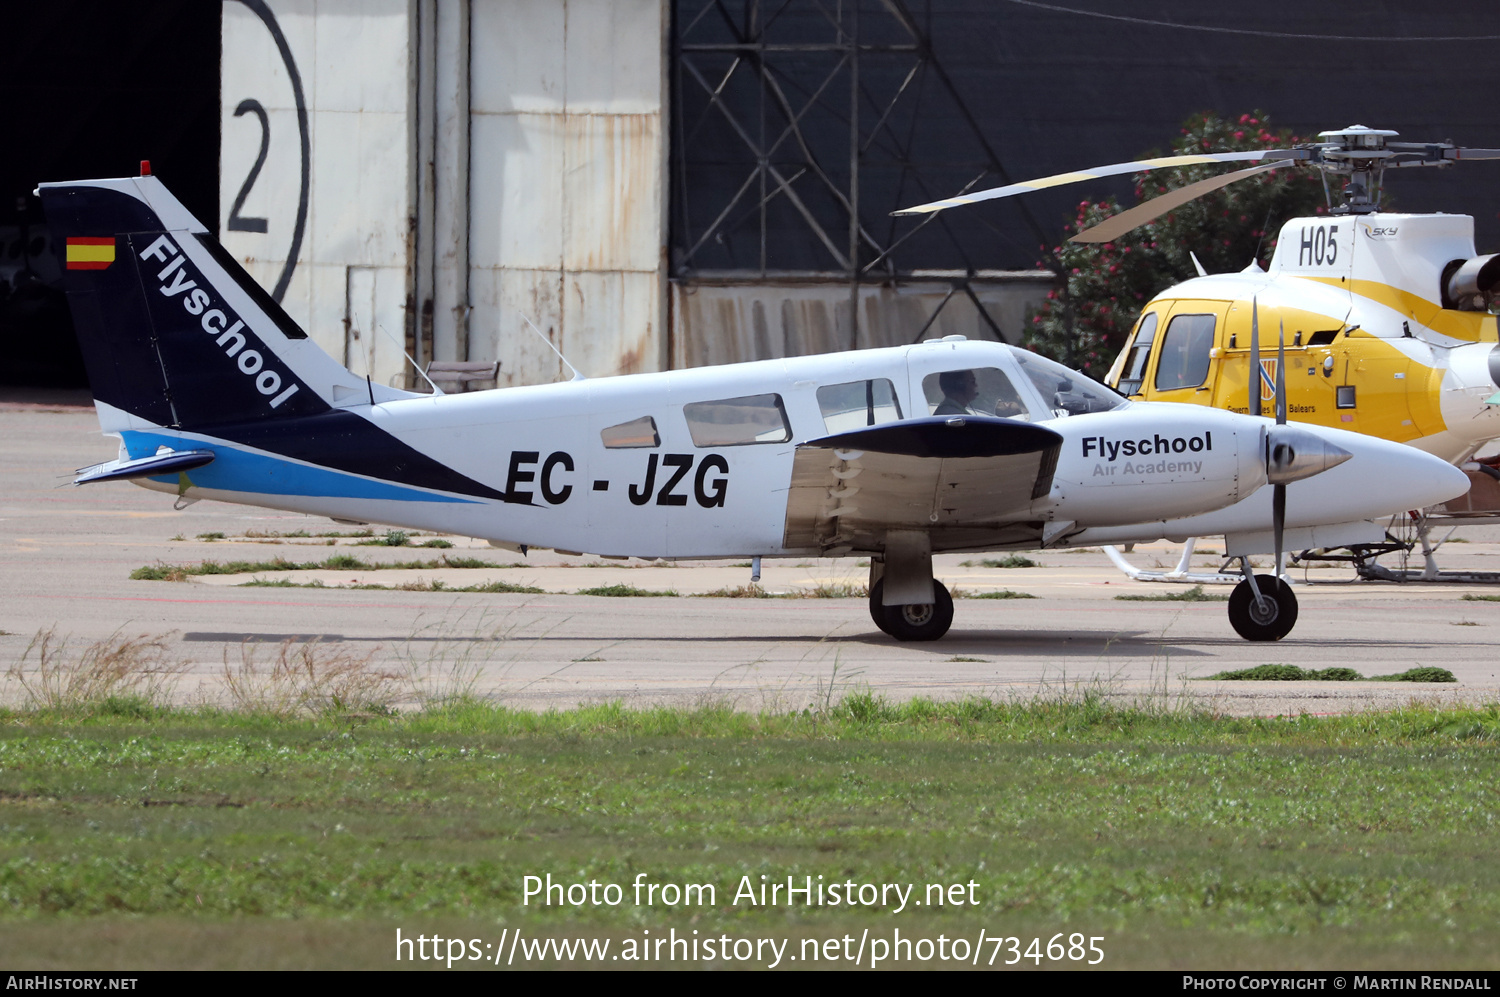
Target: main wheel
x=1271, y=621
x=916, y=621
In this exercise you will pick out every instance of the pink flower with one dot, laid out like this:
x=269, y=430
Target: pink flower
x=1239, y=136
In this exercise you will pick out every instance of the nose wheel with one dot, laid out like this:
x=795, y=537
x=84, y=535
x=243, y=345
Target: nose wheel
x=913, y=622
x=1271, y=616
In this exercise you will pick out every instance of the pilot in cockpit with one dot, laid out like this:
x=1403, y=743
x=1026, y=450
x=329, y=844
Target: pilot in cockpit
x=959, y=387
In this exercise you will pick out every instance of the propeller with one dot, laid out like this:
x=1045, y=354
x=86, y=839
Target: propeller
x=1291, y=453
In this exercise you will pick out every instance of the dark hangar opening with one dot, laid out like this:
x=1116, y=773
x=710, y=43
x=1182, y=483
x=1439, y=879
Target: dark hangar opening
x=90, y=88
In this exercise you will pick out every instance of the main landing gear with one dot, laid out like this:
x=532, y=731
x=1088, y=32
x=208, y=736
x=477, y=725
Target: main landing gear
x=1262, y=607
x=913, y=622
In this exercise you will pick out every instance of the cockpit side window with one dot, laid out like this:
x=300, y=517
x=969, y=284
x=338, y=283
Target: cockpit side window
x=973, y=391
x=631, y=435
x=856, y=404
x=1134, y=372
x=1185, y=352
x=733, y=422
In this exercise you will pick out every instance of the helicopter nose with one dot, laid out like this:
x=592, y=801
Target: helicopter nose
x=1293, y=454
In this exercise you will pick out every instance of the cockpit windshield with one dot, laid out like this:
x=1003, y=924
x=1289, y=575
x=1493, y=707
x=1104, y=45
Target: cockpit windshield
x=1065, y=391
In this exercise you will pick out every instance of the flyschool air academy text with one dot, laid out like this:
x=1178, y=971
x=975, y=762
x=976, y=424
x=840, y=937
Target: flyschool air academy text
x=1101, y=447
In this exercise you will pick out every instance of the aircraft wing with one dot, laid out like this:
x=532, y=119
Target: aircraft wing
x=963, y=479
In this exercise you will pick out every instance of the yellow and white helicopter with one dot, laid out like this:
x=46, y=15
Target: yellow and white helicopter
x=1388, y=316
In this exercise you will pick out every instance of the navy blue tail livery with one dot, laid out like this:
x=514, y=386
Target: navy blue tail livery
x=893, y=454
x=175, y=334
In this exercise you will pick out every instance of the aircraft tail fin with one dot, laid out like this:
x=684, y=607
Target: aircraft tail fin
x=173, y=331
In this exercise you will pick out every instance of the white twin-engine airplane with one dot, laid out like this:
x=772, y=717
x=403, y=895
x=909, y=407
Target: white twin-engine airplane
x=894, y=454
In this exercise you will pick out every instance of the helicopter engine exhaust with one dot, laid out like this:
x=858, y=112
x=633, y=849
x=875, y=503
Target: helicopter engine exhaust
x=1471, y=285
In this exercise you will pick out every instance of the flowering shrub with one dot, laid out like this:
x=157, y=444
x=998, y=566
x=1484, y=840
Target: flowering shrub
x=1085, y=320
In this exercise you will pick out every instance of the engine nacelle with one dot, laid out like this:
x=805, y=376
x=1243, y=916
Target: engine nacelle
x=1471, y=285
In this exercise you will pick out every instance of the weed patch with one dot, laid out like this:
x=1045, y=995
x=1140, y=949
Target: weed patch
x=118, y=669
x=1194, y=594
x=750, y=591
x=1009, y=561
x=1292, y=673
x=627, y=592
x=336, y=562
x=307, y=678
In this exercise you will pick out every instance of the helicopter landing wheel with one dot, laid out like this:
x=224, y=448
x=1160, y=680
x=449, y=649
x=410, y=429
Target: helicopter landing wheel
x=913, y=622
x=1271, y=620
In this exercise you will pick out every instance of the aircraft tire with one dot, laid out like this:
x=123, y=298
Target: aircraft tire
x=915, y=622
x=1250, y=623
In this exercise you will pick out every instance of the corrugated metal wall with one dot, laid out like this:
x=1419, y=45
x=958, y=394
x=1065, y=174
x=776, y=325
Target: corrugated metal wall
x=469, y=164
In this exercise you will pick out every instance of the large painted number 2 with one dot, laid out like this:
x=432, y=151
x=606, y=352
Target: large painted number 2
x=236, y=222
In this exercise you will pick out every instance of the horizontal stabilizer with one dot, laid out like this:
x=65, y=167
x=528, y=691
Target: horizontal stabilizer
x=950, y=436
x=169, y=462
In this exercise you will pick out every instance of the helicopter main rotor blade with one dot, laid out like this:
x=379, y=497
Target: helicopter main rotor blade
x=1139, y=166
x=1117, y=225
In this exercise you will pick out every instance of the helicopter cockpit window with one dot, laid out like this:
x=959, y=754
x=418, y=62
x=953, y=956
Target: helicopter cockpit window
x=632, y=435
x=857, y=404
x=973, y=391
x=1183, y=362
x=1067, y=391
x=732, y=422
x=1140, y=351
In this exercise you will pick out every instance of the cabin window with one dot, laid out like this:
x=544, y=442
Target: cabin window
x=1066, y=391
x=632, y=435
x=1135, y=360
x=973, y=391
x=856, y=404
x=733, y=422
x=1184, y=356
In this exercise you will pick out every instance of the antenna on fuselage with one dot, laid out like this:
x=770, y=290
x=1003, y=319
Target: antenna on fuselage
x=551, y=346
x=410, y=359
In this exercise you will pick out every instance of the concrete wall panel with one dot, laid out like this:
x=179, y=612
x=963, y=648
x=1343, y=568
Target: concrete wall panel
x=497, y=330
x=516, y=190
x=612, y=320
x=612, y=220
x=518, y=61
x=628, y=81
x=351, y=38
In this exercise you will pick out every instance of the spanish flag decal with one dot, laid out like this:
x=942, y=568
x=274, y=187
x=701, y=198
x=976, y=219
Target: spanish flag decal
x=90, y=252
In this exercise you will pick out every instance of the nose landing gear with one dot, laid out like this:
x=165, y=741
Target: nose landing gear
x=1262, y=607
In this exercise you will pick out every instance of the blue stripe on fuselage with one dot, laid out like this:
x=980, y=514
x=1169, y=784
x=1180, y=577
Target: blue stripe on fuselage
x=235, y=470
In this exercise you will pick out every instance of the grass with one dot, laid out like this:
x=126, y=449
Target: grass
x=1292, y=673
x=336, y=562
x=214, y=838
x=1194, y=594
x=626, y=591
x=299, y=819
x=958, y=593
x=1471, y=597
x=1009, y=561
